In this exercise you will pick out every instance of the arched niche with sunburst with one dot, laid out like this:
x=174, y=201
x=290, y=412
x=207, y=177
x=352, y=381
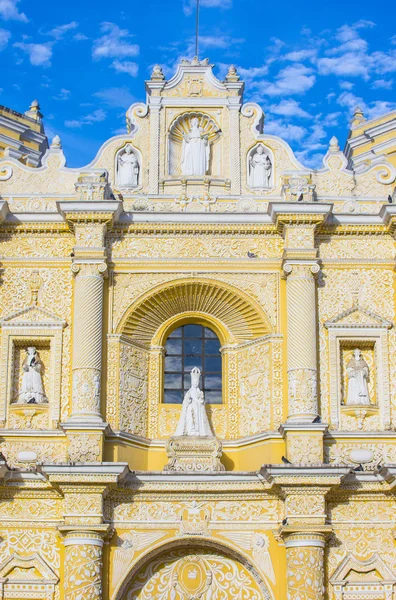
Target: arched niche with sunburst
x=179, y=128
x=249, y=351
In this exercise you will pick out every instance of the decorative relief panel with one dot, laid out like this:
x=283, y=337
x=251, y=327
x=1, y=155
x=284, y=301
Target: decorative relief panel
x=26, y=542
x=54, y=452
x=130, y=246
x=254, y=376
x=180, y=574
x=356, y=247
x=133, y=407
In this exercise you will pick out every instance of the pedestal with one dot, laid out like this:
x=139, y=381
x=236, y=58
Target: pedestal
x=193, y=453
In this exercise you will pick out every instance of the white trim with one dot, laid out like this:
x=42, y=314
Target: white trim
x=304, y=543
x=80, y=541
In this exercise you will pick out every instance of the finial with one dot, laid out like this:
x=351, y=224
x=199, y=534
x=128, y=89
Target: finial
x=334, y=146
x=232, y=74
x=157, y=74
x=56, y=143
x=34, y=111
x=358, y=117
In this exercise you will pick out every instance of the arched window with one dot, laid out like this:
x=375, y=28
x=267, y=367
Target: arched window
x=187, y=347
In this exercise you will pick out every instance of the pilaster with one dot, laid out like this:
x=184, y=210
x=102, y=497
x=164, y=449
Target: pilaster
x=304, y=530
x=90, y=221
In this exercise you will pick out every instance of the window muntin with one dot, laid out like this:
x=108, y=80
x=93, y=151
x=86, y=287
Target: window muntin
x=187, y=347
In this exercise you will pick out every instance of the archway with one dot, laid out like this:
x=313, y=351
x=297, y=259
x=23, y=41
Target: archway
x=203, y=570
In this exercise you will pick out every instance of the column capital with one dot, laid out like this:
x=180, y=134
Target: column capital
x=300, y=268
x=90, y=212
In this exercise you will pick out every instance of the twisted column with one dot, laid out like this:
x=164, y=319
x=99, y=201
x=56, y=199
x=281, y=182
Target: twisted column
x=83, y=565
x=87, y=341
x=301, y=340
x=305, y=566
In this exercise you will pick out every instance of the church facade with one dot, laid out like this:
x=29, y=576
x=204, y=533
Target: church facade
x=198, y=360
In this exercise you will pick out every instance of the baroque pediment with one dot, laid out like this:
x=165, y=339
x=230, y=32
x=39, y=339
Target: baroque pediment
x=32, y=316
x=358, y=317
x=22, y=569
x=194, y=79
x=354, y=570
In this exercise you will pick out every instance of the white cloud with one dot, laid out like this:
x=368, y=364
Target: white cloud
x=39, y=54
x=4, y=38
x=289, y=108
x=252, y=73
x=346, y=85
x=218, y=41
x=330, y=120
x=379, y=108
x=64, y=94
x=346, y=65
x=126, y=66
x=294, y=79
x=59, y=31
x=189, y=5
x=116, y=97
x=9, y=11
x=350, y=101
x=96, y=116
x=288, y=131
x=80, y=37
x=382, y=83
x=114, y=43
x=299, y=55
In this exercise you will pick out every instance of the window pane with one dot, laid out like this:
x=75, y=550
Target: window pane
x=187, y=382
x=193, y=346
x=212, y=346
x=173, y=346
x=173, y=381
x=213, y=363
x=192, y=361
x=213, y=397
x=193, y=330
x=173, y=363
x=172, y=397
x=177, y=333
x=213, y=382
x=210, y=334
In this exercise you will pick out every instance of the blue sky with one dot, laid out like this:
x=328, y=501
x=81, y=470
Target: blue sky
x=307, y=63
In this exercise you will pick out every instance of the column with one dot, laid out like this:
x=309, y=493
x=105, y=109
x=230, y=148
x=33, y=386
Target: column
x=83, y=565
x=87, y=340
x=301, y=339
x=305, y=566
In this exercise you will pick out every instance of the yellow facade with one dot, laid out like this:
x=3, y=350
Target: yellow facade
x=100, y=266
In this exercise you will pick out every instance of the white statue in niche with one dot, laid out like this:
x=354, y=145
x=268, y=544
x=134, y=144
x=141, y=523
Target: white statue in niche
x=260, y=168
x=32, y=390
x=193, y=418
x=358, y=374
x=195, y=151
x=127, y=168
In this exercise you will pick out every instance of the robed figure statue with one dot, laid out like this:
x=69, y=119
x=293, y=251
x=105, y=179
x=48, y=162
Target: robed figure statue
x=358, y=374
x=193, y=418
x=128, y=168
x=260, y=169
x=32, y=390
x=195, y=151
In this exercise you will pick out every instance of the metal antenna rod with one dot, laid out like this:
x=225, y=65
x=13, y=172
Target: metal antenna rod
x=196, y=29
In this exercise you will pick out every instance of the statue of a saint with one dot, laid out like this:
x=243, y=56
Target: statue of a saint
x=195, y=151
x=128, y=168
x=358, y=374
x=32, y=390
x=193, y=418
x=260, y=169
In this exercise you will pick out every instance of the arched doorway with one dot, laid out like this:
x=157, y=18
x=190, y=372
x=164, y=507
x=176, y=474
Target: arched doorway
x=189, y=571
